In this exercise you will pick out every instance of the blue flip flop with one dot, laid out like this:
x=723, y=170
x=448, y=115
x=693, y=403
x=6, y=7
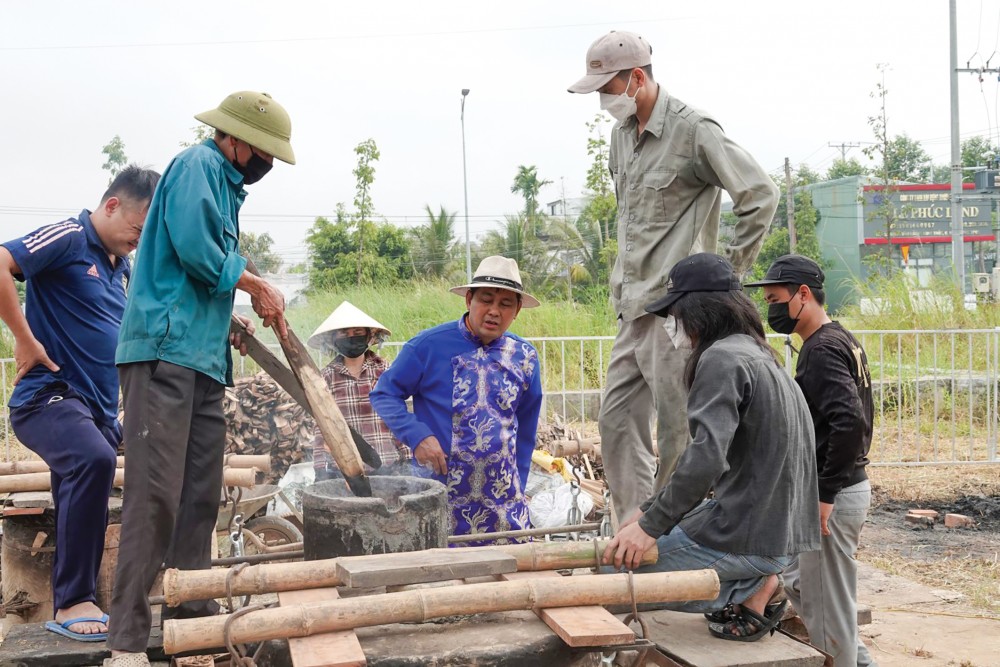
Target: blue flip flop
x=63, y=629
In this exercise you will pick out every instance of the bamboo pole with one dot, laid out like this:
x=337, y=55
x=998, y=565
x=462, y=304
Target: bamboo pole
x=262, y=462
x=185, y=585
x=423, y=605
x=42, y=481
x=527, y=532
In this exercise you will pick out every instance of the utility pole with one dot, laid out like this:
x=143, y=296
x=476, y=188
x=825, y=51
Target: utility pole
x=844, y=145
x=790, y=206
x=465, y=189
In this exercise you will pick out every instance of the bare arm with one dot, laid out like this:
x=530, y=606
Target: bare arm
x=28, y=352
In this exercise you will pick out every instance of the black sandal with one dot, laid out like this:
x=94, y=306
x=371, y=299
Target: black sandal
x=727, y=613
x=749, y=626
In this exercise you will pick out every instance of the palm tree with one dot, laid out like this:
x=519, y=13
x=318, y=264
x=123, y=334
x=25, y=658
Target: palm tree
x=435, y=243
x=515, y=239
x=527, y=183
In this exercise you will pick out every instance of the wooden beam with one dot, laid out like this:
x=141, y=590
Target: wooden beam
x=331, y=649
x=579, y=626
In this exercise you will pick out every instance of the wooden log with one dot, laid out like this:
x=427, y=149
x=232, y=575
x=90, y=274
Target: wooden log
x=423, y=605
x=42, y=481
x=261, y=462
x=22, y=467
x=185, y=585
x=331, y=649
x=579, y=626
x=576, y=447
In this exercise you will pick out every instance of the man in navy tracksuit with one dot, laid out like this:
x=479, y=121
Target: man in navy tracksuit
x=65, y=403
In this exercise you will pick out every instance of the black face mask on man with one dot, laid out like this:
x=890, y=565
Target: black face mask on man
x=351, y=346
x=780, y=319
x=254, y=170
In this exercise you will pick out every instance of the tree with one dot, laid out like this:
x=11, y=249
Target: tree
x=201, y=132
x=886, y=171
x=258, y=248
x=364, y=174
x=843, y=168
x=527, y=183
x=434, y=244
x=906, y=160
x=516, y=239
x=116, y=160
x=602, y=209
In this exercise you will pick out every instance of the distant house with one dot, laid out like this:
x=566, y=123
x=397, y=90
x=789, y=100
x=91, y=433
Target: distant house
x=571, y=207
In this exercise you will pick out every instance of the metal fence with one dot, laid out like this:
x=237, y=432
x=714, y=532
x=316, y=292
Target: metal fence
x=935, y=391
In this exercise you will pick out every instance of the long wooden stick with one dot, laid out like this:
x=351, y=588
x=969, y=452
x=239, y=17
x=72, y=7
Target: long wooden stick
x=261, y=462
x=42, y=481
x=426, y=604
x=184, y=585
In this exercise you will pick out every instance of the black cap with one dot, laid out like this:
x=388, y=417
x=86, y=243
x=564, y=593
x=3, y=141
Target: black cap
x=704, y=272
x=792, y=270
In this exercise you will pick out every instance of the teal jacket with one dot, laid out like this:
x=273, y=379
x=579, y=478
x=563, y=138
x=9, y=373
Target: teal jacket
x=186, y=268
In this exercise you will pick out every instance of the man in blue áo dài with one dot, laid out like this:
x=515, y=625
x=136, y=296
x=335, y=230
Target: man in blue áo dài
x=477, y=393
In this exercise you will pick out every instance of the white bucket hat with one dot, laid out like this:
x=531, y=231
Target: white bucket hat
x=345, y=316
x=502, y=272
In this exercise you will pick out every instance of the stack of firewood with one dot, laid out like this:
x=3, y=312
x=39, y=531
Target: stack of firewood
x=263, y=419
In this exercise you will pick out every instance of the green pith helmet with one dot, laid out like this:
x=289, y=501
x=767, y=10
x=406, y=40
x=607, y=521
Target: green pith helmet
x=256, y=119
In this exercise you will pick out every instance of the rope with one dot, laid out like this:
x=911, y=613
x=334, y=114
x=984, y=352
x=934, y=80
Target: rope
x=229, y=584
x=237, y=657
x=634, y=616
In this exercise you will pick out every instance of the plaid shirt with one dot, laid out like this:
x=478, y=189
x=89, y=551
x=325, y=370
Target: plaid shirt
x=351, y=394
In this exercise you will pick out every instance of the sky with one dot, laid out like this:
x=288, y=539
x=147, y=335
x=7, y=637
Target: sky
x=783, y=78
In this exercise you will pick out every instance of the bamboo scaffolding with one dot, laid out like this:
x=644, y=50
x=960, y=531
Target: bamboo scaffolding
x=185, y=585
x=423, y=605
x=42, y=481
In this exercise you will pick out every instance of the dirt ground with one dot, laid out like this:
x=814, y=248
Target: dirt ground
x=934, y=593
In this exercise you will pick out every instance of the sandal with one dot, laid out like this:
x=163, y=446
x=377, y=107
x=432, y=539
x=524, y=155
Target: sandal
x=727, y=613
x=749, y=626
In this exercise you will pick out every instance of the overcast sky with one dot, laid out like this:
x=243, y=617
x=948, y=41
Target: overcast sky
x=783, y=78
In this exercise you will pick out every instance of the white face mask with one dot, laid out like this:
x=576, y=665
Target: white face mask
x=678, y=336
x=619, y=106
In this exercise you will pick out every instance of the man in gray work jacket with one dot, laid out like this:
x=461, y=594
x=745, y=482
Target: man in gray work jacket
x=670, y=164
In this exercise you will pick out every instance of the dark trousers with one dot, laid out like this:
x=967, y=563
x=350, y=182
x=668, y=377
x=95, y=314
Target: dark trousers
x=175, y=434
x=58, y=426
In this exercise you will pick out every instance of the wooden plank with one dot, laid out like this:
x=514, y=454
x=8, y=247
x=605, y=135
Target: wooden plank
x=579, y=626
x=21, y=511
x=686, y=639
x=421, y=567
x=332, y=649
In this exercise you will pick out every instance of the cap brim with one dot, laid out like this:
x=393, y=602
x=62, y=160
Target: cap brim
x=527, y=301
x=765, y=282
x=591, y=82
x=660, y=307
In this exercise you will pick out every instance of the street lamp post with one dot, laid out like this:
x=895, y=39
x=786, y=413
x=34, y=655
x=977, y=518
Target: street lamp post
x=465, y=187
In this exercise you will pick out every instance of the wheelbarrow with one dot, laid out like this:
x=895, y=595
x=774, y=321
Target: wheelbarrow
x=248, y=529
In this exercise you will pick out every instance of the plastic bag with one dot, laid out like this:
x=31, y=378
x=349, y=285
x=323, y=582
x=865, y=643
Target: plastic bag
x=550, y=509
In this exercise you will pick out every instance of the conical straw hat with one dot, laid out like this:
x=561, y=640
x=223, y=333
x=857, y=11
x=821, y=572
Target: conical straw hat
x=345, y=316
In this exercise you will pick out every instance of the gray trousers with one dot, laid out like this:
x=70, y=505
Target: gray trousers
x=822, y=585
x=174, y=435
x=645, y=379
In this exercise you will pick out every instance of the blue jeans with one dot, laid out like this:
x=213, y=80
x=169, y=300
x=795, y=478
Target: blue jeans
x=740, y=575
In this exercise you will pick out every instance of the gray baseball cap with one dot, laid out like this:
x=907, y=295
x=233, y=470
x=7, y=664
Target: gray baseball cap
x=616, y=51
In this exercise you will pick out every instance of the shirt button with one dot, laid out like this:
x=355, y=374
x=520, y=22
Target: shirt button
x=631, y=216
x=625, y=279
x=633, y=186
x=628, y=247
x=636, y=154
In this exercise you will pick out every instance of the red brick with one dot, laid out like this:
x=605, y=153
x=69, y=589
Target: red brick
x=958, y=521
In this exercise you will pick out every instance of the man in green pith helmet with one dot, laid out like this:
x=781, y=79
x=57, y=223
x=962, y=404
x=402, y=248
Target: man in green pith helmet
x=174, y=360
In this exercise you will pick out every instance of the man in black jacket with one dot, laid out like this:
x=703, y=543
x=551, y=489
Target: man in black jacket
x=833, y=374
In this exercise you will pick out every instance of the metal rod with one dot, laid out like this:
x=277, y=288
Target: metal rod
x=488, y=537
x=258, y=558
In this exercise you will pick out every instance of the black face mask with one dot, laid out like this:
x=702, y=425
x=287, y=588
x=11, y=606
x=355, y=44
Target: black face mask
x=352, y=346
x=780, y=319
x=255, y=169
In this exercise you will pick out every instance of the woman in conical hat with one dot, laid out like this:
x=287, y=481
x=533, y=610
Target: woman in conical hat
x=348, y=333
